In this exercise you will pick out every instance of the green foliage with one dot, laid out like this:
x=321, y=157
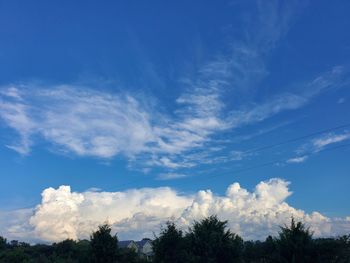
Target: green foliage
x=295, y=243
x=208, y=240
x=83, y=250
x=333, y=250
x=129, y=256
x=269, y=250
x=3, y=243
x=66, y=250
x=103, y=245
x=170, y=246
x=252, y=251
x=211, y=241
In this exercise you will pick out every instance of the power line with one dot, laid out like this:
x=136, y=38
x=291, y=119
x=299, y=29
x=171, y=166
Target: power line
x=232, y=172
x=273, y=162
x=296, y=139
x=257, y=150
x=251, y=167
x=262, y=148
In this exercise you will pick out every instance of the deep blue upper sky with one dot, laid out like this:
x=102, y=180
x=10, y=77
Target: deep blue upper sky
x=128, y=94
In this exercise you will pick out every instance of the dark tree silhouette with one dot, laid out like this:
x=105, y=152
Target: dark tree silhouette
x=211, y=241
x=104, y=246
x=295, y=244
x=170, y=246
x=3, y=243
x=206, y=241
x=67, y=249
x=333, y=250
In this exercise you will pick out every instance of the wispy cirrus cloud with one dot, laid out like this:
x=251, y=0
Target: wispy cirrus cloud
x=170, y=176
x=307, y=150
x=82, y=121
x=331, y=138
x=322, y=142
x=104, y=124
x=15, y=114
x=341, y=101
x=259, y=112
x=299, y=159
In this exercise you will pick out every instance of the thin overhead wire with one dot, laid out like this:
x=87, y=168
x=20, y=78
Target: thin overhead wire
x=234, y=172
x=284, y=160
x=297, y=138
x=262, y=148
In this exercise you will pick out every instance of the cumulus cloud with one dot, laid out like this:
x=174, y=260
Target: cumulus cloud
x=15, y=225
x=65, y=205
x=77, y=214
x=138, y=213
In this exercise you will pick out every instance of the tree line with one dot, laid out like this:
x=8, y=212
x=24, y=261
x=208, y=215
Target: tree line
x=206, y=241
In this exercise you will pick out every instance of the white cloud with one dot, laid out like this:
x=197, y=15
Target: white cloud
x=254, y=113
x=332, y=79
x=169, y=176
x=15, y=114
x=15, y=225
x=341, y=100
x=257, y=113
x=137, y=213
x=81, y=121
x=103, y=124
x=328, y=139
x=77, y=214
x=318, y=144
x=12, y=92
x=299, y=159
x=85, y=122
x=65, y=205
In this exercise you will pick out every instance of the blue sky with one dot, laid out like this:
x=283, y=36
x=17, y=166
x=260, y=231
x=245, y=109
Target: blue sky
x=106, y=97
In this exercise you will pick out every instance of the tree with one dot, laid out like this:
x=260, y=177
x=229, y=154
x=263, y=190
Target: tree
x=295, y=243
x=127, y=255
x=253, y=251
x=170, y=245
x=333, y=250
x=66, y=250
x=83, y=250
x=212, y=242
x=15, y=255
x=104, y=246
x=269, y=250
x=3, y=243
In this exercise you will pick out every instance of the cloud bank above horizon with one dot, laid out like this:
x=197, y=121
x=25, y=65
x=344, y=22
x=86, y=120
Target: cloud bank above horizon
x=137, y=213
